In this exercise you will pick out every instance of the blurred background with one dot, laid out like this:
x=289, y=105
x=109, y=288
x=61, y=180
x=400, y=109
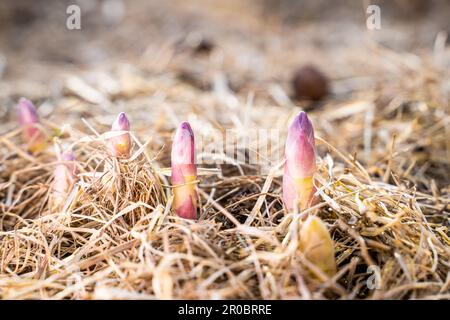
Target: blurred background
x=34, y=40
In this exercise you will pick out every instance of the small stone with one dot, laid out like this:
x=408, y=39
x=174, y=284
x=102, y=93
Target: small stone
x=310, y=83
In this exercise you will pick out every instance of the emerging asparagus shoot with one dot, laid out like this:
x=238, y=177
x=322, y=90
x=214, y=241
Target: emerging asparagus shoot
x=64, y=179
x=184, y=172
x=120, y=145
x=32, y=135
x=317, y=245
x=300, y=165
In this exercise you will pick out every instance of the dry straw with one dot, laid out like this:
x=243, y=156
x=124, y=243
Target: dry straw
x=382, y=179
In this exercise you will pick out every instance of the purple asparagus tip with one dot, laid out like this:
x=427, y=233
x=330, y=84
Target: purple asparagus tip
x=120, y=146
x=27, y=112
x=29, y=120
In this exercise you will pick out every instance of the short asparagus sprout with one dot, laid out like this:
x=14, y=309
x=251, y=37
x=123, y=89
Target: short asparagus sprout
x=300, y=165
x=32, y=135
x=120, y=145
x=317, y=246
x=65, y=176
x=184, y=172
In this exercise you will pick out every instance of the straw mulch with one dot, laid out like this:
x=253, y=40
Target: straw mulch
x=383, y=178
